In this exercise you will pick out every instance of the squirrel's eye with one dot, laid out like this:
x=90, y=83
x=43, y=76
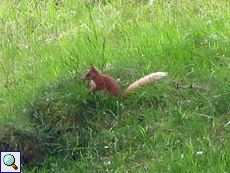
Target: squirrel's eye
x=88, y=74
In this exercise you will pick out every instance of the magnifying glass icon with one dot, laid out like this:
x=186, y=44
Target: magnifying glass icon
x=9, y=160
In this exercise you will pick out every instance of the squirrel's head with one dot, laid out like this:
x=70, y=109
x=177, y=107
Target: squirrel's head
x=90, y=75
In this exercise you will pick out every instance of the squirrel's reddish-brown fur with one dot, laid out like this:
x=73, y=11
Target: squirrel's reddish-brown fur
x=105, y=83
x=102, y=82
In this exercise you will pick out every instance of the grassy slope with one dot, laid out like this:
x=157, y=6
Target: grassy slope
x=45, y=49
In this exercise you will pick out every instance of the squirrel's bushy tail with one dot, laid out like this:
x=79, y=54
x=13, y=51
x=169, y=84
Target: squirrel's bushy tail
x=145, y=80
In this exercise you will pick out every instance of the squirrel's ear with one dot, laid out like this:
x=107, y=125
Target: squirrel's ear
x=92, y=68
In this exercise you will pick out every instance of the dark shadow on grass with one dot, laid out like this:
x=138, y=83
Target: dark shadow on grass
x=58, y=120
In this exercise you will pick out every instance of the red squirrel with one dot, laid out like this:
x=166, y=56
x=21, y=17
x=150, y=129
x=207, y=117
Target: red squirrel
x=105, y=83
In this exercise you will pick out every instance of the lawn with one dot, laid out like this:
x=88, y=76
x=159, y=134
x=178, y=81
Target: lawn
x=177, y=124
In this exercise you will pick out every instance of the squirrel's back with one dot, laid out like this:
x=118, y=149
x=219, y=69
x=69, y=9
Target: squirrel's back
x=112, y=86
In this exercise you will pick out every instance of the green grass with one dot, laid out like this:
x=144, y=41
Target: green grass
x=46, y=113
